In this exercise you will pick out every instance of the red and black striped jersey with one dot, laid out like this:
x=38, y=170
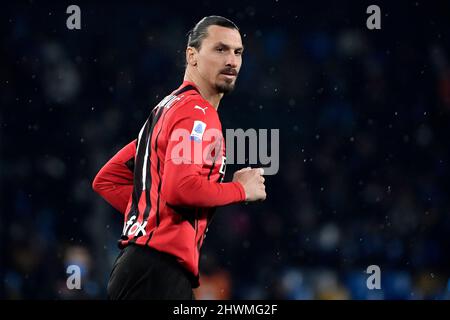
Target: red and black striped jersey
x=168, y=181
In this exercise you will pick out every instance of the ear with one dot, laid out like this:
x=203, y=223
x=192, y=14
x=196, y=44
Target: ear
x=191, y=56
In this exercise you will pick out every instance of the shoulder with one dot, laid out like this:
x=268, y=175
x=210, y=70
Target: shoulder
x=194, y=107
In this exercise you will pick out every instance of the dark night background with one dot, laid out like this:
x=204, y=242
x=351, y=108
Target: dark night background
x=364, y=162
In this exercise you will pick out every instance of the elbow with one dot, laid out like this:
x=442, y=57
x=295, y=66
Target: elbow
x=177, y=199
x=182, y=195
x=97, y=184
x=176, y=195
x=172, y=196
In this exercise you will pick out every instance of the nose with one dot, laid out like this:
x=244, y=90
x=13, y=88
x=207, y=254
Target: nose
x=232, y=60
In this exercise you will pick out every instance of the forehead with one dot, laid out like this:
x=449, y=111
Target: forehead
x=230, y=37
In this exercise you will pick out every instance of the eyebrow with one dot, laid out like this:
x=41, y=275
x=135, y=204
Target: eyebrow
x=220, y=43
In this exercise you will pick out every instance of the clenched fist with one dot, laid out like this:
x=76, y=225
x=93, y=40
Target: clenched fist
x=253, y=183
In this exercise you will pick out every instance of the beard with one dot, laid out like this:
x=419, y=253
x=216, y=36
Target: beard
x=225, y=87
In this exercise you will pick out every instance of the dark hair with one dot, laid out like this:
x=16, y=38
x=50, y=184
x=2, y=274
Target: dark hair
x=200, y=31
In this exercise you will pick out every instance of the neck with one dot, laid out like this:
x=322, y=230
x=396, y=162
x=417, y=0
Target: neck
x=208, y=93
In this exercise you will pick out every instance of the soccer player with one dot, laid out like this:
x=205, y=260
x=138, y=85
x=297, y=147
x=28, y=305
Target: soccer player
x=168, y=181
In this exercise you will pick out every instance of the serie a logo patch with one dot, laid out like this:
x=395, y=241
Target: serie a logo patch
x=198, y=130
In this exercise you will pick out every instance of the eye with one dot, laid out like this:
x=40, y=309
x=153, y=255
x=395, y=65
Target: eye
x=219, y=49
x=238, y=52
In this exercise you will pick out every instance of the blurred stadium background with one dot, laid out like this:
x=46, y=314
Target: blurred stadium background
x=364, y=152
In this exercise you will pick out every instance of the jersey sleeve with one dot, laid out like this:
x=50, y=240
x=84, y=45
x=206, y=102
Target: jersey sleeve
x=194, y=138
x=114, y=181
